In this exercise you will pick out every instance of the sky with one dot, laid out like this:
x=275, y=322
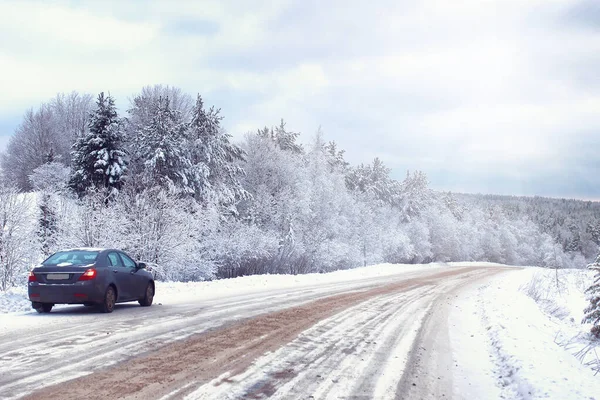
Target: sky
x=485, y=96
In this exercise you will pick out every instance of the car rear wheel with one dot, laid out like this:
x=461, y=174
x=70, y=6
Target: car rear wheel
x=110, y=298
x=148, y=296
x=43, y=307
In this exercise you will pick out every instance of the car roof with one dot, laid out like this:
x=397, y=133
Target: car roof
x=83, y=249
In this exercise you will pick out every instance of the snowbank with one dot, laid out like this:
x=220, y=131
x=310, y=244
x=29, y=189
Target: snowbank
x=534, y=331
x=14, y=300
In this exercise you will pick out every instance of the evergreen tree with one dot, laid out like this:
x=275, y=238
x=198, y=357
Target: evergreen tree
x=214, y=159
x=335, y=157
x=50, y=180
x=97, y=157
x=592, y=312
x=414, y=195
x=373, y=180
x=284, y=139
x=162, y=150
x=47, y=225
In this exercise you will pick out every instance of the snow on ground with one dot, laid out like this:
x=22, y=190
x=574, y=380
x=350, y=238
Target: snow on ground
x=15, y=300
x=516, y=336
x=532, y=341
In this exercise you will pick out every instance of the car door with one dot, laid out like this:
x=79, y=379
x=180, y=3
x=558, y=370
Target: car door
x=137, y=279
x=120, y=276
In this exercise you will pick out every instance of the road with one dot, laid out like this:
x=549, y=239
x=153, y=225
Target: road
x=384, y=337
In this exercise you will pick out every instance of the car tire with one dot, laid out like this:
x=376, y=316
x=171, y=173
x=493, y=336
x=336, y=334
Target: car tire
x=148, y=296
x=43, y=307
x=110, y=298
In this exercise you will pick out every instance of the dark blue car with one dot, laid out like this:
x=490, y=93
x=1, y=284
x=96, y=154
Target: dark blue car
x=93, y=277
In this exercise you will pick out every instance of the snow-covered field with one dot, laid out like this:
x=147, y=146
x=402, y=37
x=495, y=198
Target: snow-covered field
x=516, y=335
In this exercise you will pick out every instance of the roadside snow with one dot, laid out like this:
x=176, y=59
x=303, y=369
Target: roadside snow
x=526, y=339
x=14, y=300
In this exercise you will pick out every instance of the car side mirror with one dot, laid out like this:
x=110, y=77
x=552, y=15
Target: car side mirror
x=141, y=265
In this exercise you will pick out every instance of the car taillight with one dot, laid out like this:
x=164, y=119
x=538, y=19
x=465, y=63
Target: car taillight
x=88, y=275
x=32, y=277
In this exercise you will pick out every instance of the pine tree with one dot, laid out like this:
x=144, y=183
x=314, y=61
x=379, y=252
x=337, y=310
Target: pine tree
x=374, y=180
x=284, y=139
x=214, y=159
x=98, y=159
x=592, y=312
x=47, y=225
x=162, y=150
x=335, y=157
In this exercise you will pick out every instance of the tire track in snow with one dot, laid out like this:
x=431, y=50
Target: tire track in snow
x=512, y=384
x=234, y=347
x=344, y=356
x=79, y=341
x=361, y=352
x=30, y=361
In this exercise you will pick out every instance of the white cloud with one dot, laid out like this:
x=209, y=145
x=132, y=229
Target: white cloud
x=438, y=85
x=45, y=22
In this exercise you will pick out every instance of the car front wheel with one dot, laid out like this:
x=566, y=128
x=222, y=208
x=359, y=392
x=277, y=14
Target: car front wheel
x=148, y=296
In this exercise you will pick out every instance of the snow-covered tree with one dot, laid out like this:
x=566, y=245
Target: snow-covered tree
x=17, y=237
x=169, y=231
x=214, y=159
x=285, y=140
x=47, y=225
x=143, y=104
x=161, y=151
x=414, y=195
x=335, y=157
x=51, y=177
x=273, y=177
x=50, y=180
x=373, y=180
x=592, y=311
x=98, y=158
x=52, y=128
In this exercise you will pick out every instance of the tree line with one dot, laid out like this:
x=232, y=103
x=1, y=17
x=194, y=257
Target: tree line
x=166, y=183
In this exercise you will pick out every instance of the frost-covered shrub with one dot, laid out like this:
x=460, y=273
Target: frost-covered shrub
x=17, y=235
x=592, y=312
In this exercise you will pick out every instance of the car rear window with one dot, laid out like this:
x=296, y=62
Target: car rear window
x=72, y=257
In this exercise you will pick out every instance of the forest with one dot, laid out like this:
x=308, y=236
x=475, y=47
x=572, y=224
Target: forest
x=165, y=182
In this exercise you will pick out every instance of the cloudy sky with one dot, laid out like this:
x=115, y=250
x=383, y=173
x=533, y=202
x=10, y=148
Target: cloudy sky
x=489, y=96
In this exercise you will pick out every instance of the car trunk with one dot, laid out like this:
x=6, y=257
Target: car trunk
x=60, y=274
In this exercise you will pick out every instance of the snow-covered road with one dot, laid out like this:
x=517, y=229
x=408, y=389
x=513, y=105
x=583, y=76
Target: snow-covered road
x=375, y=336
x=463, y=331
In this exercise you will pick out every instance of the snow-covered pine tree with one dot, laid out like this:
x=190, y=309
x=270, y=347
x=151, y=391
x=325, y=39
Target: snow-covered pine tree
x=162, y=150
x=49, y=180
x=214, y=158
x=414, y=195
x=592, y=312
x=373, y=180
x=47, y=225
x=284, y=139
x=335, y=157
x=98, y=158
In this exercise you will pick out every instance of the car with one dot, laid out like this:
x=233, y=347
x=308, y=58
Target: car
x=92, y=277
